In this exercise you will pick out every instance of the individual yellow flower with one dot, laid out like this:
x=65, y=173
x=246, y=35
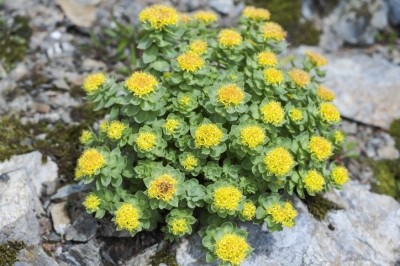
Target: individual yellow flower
x=252, y=136
x=90, y=161
x=316, y=59
x=231, y=248
x=115, y=130
x=141, y=83
x=325, y=94
x=273, y=76
x=190, y=162
x=86, y=135
x=159, y=16
x=178, y=226
x=340, y=175
x=299, y=77
x=92, y=203
x=198, y=46
x=272, y=112
x=229, y=95
x=320, y=147
x=127, y=217
x=146, y=141
x=207, y=17
x=267, y=58
x=338, y=136
x=162, y=188
x=229, y=38
x=258, y=14
x=283, y=214
x=170, y=125
x=208, y=135
x=296, y=114
x=329, y=113
x=103, y=126
x=93, y=82
x=227, y=198
x=314, y=181
x=273, y=31
x=279, y=161
x=190, y=61
x=249, y=211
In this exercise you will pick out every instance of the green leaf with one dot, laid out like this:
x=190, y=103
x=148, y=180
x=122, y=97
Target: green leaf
x=160, y=65
x=150, y=54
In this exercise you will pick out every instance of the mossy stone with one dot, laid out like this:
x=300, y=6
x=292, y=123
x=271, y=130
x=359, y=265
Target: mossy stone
x=319, y=206
x=163, y=257
x=9, y=252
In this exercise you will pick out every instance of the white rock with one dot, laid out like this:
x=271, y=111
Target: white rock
x=60, y=217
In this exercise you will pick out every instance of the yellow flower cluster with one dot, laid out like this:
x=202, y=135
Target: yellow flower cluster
x=329, y=113
x=248, y=211
x=273, y=76
x=92, y=203
x=320, y=147
x=325, y=94
x=229, y=38
x=198, y=46
x=258, y=14
x=252, y=136
x=141, y=83
x=267, y=58
x=208, y=135
x=227, y=198
x=146, y=141
x=93, y=82
x=299, y=77
x=159, y=16
x=115, y=130
x=162, y=188
x=338, y=136
x=170, y=125
x=190, y=162
x=231, y=248
x=283, y=214
x=90, y=161
x=86, y=135
x=273, y=31
x=230, y=95
x=190, y=61
x=178, y=226
x=279, y=161
x=316, y=59
x=127, y=217
x=340, y=175
x=314, y=181
x=296, y=114
x=207, y=17
x=273, y=113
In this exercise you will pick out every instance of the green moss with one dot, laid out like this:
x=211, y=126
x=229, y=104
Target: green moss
x=9, y=252
x=394, y=131
x=163, y=257
x=319, y=206
x=14, y=40
x=387, y=175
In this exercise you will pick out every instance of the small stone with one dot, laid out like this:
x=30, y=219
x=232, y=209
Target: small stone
x=388, y=152
x=144, y=257
x=65, y=191
x=60, y=217
x=42, y=108
x=83, y=228
x=93, y=65
x=82, y=254
x=222, y=6
x=80, y=14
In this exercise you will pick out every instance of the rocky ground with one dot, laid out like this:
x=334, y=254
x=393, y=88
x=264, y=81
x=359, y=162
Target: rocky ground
x=40, y=208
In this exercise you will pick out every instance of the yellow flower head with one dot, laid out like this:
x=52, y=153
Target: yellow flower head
x=252, y=136
x=283, y=214
x=207, y=17
x=127, y=217
x=159, y=16
x=184, y=101
x=227, y=198
x=170, y=125
x=267, y=58
x=273, y=31
x=115, y=130
x=299, y=77
x=90, y=161
x=190, y=162
x=338, y=136
x=316, y=59
x=86, y=135
x=103, y=126
x=141, y=83
x=279, y=161
x=229, y=38
x=325, y=94
x=146, y=141
x=93, y=82
x=249, y=210
x=272, y=112
x=232, y=248
x=329, y=113
x=184, y=17
x=198, y=46
x=296, y=114
x=230, y=95
x=340, y=175
x=320, y=147
x=92, y=203
x=178, y=226
x=208, y=135
x=273, y=76
x=190, y=61
x=258, y=14
x=314, y=181
x=162, y=188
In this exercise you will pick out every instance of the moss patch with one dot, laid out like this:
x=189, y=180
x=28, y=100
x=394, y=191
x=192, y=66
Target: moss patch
x=394, y=131
x=319, y=206
x=163, y=257
x=387, y=175
x=9, y=252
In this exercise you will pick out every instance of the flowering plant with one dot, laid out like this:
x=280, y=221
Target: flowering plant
x=211, y=127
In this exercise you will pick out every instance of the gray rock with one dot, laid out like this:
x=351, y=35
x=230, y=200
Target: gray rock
x=144, y=257
x=65, y=191
x=81, y=14
x=366, y=232
x=83, y=254
x=34, y=255
x=394, y=11
x=222, y=6
x=82, y=229
x=60, y=217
